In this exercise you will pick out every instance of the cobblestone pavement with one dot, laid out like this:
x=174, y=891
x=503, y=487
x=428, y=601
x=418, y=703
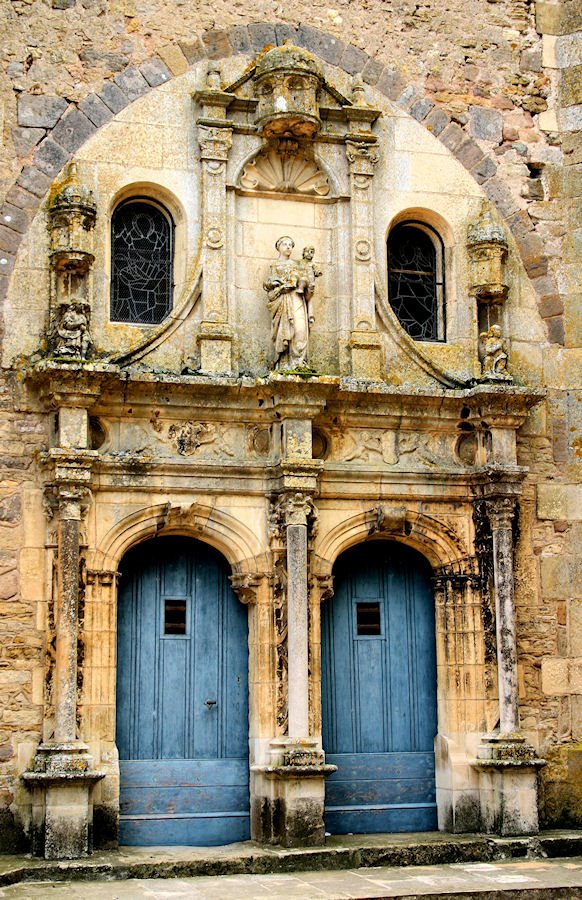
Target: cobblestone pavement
x=534, y=878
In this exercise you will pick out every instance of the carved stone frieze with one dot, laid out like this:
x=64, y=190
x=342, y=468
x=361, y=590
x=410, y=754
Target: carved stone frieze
x=191, y=437
x=285, y=173
x=390, y=447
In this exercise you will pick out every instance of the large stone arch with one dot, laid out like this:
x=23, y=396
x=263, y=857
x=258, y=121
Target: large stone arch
x=66, y=127
x=437, y=541
x=238, y=544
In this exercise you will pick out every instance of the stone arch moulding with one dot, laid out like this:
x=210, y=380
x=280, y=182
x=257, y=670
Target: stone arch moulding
x=436, y=541
x=73, y=124
x=219, y=529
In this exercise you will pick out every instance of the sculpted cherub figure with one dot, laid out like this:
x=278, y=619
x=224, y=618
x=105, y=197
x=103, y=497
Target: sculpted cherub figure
x=72, y=336
x=494, y=365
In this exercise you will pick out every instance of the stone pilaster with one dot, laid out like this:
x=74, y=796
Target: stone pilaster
x=362, y=154
x=214, y=140
x=61, y=775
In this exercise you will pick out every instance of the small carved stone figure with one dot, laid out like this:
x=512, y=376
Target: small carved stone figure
x=494, y=365
x=290, y=286
x=72, y=337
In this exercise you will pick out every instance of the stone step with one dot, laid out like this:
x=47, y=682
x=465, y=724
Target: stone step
x=340, y=853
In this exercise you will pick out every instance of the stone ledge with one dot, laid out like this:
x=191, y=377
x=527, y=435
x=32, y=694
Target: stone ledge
x=345, y=852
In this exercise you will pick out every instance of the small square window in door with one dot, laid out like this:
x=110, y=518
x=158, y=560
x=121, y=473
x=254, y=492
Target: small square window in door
x=174, y=617
x=368, y=620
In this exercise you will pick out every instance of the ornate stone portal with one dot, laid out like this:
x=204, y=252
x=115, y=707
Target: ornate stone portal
x=282, y=470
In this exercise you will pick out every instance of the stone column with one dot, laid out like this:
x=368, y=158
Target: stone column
x=507, y=763
x=500, y=513
x=61, y=775
x=66, y=613
x=362, y=154
x=215, y=140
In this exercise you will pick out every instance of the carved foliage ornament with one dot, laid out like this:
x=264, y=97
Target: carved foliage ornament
x=283, y=173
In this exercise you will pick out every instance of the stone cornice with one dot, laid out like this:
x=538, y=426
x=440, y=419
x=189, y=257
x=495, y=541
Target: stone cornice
x=110, y=388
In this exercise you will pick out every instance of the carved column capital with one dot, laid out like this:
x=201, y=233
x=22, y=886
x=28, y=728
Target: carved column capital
x=68, y=500
x=500, y=512
x=362, y=157
x=291, y=509
x=215, y=142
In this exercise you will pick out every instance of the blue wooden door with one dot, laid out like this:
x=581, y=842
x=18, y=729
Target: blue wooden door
x=182, y=697
x=379, y=692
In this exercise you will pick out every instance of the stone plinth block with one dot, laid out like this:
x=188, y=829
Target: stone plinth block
x=61, y=781
x=215, y=340
x=366, y=351
x=289, y=797
x=508, y=785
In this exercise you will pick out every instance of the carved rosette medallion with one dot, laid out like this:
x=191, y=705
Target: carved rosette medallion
x=214, y=238
x=363, y=250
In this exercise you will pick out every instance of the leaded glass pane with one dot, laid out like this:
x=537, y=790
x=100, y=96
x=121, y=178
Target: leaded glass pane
x=141, y=277
x=413, y=282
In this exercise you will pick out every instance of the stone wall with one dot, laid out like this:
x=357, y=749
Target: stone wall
x=499, y=84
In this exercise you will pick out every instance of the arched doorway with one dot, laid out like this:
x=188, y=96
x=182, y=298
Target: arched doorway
x=182, y=697
x=379, y=691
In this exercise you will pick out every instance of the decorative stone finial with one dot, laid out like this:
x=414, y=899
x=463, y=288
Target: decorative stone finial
x=213, y=79
x=485, y=230
x=72, y=215
x=487, y=246
x=288, y=82
x=358, y=91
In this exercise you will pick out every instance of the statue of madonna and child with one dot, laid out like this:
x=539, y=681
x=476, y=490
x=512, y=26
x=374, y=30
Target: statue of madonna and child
x=290, y=286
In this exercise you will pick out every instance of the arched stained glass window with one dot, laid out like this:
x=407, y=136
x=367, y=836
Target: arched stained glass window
x=415, y=280
x=142, y=238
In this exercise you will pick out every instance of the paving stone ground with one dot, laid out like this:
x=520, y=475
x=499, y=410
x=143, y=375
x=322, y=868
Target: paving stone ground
x=534, y=879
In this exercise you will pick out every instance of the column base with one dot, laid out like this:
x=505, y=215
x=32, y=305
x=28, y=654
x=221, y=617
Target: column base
x=61, y=780
x=366, y=349
x=508, y=784
x=215, y=339
x=289, y=795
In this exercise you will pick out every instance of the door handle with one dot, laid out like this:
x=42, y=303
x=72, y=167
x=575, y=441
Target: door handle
x=210, y=703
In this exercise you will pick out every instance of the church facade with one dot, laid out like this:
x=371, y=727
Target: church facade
x=291, y=491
